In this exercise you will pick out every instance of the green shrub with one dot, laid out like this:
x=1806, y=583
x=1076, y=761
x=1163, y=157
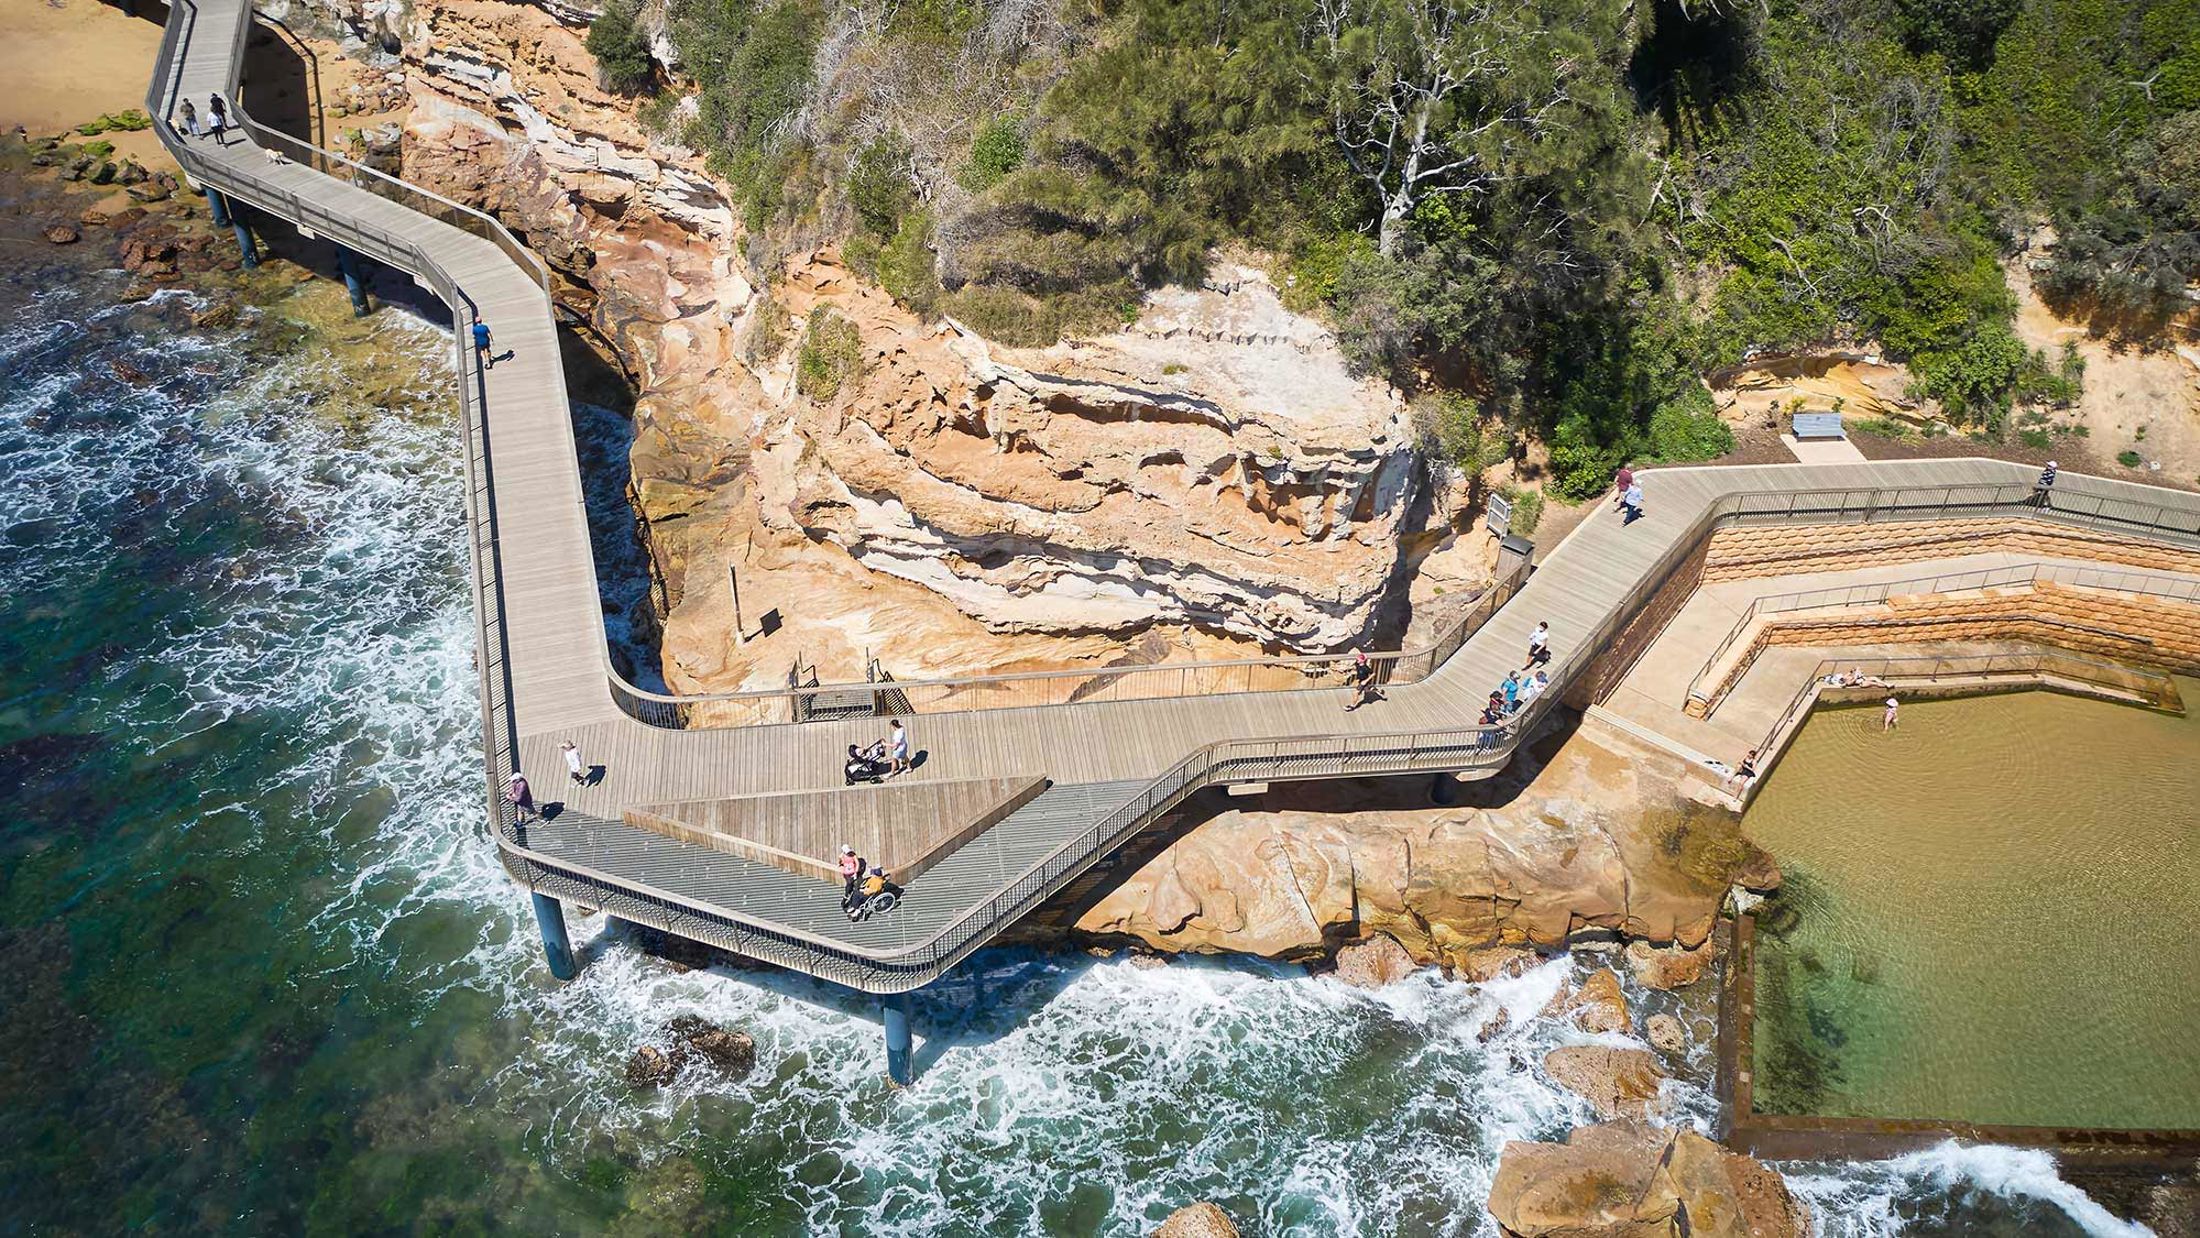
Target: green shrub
x=2130, y=459
x=1527, y=508
x=1689, y=429
x=832, y=355
x=2037, y=440
x=906, y=267
x=878, y=187
x=998, y=150
x=751, y=59
x=1885, y=427
x=621, y=49
x=129, y=121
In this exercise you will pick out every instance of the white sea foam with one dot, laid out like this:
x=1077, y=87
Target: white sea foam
x=1057, y=1092
x=1878, y=1198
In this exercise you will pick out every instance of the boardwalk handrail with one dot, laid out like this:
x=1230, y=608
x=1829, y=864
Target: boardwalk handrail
x=1715, y=679
x=1025, y=689
x=1305, y=756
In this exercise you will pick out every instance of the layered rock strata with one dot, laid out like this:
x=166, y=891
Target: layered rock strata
x=1210, y=476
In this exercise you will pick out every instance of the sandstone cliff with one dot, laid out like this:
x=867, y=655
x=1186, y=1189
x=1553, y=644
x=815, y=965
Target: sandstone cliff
x=1573, y=850
x=1209, y=478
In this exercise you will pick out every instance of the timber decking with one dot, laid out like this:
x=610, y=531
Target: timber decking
x=545, y=669
x=903, y=827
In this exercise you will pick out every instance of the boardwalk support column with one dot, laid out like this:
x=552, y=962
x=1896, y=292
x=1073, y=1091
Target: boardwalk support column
x=348, y=263
x=247, y=248
x=556, y=946
x=215, y=208
x=900, y=1062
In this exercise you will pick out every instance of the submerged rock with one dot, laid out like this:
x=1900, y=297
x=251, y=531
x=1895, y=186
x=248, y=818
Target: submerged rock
x=1373, y=963
x=1620, y=1083
x=1627, y=1179
x=652, y=1067
x=1200, y=1220
x=63, y=234
x=731, y=1052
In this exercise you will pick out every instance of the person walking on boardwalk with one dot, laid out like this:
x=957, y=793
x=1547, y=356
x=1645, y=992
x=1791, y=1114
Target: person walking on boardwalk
x=573, y=763
x=1888, y=723
x=217, y=118
x=851, y=873
x=1511, y=689
x=2043, y=489
x=1631, y=503
x=897, y=746
x=1362, y=675
x=482, y=345
x=520, y=797
x=1539, y=645
x=1622, y=481
x=189, y=119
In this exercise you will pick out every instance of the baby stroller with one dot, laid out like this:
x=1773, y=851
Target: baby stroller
x=865, y=764
x=875, y=896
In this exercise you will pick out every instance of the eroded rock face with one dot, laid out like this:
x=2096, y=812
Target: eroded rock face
x=1620, y=1083
x=1210, y=477
x=1029, y=486
x=1626, y=1179
x=1374, y=963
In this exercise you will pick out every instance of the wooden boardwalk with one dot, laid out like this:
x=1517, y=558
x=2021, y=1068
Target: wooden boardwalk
x=1113, y=766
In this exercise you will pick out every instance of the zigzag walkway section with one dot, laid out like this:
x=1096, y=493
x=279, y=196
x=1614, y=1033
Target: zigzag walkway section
x=1110, y=769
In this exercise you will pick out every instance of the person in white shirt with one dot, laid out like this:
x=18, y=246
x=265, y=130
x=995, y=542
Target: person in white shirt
x=573, y=763
x=897, y=746
x=1539, y=645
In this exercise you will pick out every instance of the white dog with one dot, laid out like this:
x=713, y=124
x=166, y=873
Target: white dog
x=273, y=155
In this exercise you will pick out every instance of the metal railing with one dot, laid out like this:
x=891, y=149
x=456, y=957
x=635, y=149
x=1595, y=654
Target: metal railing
x=1712, y=683
x=1298, y=757
x=797, y=702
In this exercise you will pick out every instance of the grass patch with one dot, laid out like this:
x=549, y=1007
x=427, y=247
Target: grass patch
x=832, y=355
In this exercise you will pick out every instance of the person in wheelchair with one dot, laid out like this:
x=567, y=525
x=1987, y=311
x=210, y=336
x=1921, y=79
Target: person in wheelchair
x=865, y=764
x=875, y=895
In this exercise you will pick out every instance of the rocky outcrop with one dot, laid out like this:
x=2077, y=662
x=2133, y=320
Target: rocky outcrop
x=955, y=507
x=1599, y=1005
x=1626, y=1179
x=1577, y=851
x=1674, y=967
x=690, y=1039
x=1374, y=963
x=1618, y=1082
x=1024, y=484
x=1200, y=1220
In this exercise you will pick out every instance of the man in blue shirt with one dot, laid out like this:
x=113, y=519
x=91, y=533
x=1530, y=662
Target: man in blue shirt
x=481, y=345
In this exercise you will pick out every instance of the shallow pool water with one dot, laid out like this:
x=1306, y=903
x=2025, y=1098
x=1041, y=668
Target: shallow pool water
x=1989, y=915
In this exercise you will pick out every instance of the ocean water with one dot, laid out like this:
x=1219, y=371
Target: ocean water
x=260, y=972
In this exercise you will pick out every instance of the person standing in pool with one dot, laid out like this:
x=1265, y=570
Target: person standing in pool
x=1888, y=723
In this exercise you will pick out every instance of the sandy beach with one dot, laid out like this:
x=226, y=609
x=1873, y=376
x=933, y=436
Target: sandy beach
x=70, y=61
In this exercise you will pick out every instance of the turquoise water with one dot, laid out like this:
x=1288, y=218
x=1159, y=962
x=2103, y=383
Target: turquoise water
x=259, y=971
x=1989, y=915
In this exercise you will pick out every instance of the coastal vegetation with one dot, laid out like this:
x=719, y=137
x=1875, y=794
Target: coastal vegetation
x=1564, y=213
